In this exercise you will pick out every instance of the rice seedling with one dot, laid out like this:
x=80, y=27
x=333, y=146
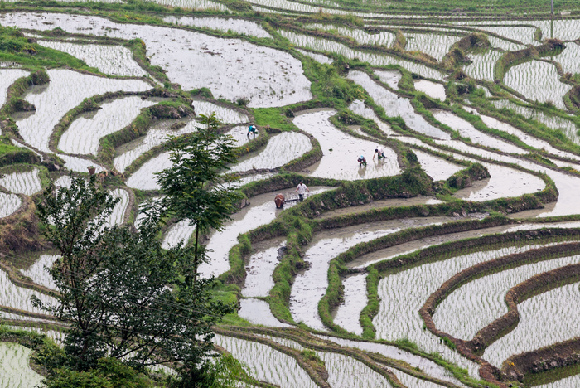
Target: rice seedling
x=524, y=35
x=280, y=150
x=158, y=134
x=76, y=164
x=266, y=364
x=437, y=168
x=38, y=271
x=7, y=78
x=344, y=371
x=112, y=60
x=566, y=126
x=435, y=45
x=198, y=5
x=467, y=130
x=524, y=137
x=402, y=295
x=362, y=37
x=83, y=135
x=358, y=107
x=180, y=232
x=223, y=114
x=20, y=298
x=239, y=26
x=310, y=285
x=340, y=150
x=545, y=319
x=26, y=183
x=66, y=90
x=427, y=366
x=144, y=178
x=538, y=80
x=14, y=369
x=412, y=381
x=482, y=65
x=9, y=203
x=431, y=89
x=317, y=57
x=478, y=303
x=396, y=106
x=390, y=77
x=231, y=68
x=320, y=44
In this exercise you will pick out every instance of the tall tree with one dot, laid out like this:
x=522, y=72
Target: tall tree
x=122, y=294
x=193, y=186
x=193, y=190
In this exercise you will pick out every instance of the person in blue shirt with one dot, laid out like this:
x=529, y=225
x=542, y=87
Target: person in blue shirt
x=252, y=129
x=362, y=161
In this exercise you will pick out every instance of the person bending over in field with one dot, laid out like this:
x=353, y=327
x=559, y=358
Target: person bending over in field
x=362, y=161
x=252, y=129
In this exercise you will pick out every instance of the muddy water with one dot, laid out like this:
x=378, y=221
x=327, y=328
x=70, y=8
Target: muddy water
x=347, y=314
x=396, y=106
x=358, y=107
x=261, y=211
x=467, y=130
x=568, y=186
x=340, y=151
x=437, y=168
x=261, y=265
x=390, y=77
x=504, y=182
x=394, y=202
x=230, y=68
x=7, y=78
x=431, y=89
x=544, y=320
x=310, y=285
x=156, y=135
x=66, y=90
x=281, y=149
x=258, y=312
x=112, y=60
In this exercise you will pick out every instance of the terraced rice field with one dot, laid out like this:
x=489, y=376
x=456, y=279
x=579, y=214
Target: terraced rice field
x=361, y=259
x=550, y=90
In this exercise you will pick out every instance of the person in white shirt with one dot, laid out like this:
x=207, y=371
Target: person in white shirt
x=379, y=151
x=301, y=189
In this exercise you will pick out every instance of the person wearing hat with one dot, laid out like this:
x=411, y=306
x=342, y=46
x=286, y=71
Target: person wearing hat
x=252, y=130
x=362, y=161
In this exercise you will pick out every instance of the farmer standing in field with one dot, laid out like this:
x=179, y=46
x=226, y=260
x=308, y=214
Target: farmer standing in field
x=301, y=189
x=380, y=152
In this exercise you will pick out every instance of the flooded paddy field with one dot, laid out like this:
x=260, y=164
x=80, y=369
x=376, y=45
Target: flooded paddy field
x=340, y=280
